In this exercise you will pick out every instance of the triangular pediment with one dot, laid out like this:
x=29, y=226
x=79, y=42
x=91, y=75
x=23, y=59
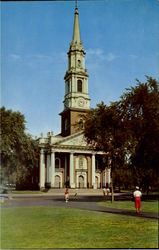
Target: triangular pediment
x=77, y=139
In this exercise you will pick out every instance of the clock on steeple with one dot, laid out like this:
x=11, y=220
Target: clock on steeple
x=76, y=99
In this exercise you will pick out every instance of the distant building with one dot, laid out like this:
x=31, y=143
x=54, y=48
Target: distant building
x=66, y=159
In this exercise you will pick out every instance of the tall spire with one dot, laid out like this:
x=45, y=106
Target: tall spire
x=76, y=98
x=76, y=29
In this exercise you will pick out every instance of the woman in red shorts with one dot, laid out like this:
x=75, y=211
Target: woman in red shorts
x=137, y=195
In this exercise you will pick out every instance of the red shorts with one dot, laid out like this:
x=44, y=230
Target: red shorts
x=137, y=202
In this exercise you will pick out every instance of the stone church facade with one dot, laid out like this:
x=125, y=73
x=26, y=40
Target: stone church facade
x=66, y=159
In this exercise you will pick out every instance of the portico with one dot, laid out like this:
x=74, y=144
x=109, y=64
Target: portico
x=73, y=166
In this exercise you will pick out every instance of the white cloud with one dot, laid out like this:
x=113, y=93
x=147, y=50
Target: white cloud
x=32, y=59
x=43, y=60
x=47, y=59
x=15, y=57
x=96, y=52
x=110, y=57
x=99, y=54
x=40, y=58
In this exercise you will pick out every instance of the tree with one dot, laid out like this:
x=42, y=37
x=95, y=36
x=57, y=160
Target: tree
x=19, y=152
x=140, y=107
x=128, y=132
x=104, y=130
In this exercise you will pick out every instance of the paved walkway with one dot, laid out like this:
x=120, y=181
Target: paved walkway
x=80, y=202
x=96, y=207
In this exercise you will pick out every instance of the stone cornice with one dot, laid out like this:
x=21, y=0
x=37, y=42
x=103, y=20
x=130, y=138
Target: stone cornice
x=73, y=71
x=76, y=96
x=74, y=109
x=70, y=148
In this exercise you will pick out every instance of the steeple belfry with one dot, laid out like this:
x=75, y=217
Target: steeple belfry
x=76, y=99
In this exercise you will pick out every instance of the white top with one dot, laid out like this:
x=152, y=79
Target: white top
x=137, y=193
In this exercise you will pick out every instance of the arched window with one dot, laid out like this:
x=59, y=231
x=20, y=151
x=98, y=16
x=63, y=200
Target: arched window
x=81, y=181
x=68, y=86
x=66, y=123
x=79, y=85
x=57, y=163
x=80, y=123
x=79, y=63
x=57, y=181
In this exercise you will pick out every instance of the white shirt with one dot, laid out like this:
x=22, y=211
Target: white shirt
x=137, y=193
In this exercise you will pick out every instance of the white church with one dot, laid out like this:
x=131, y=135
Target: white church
x=66, y=160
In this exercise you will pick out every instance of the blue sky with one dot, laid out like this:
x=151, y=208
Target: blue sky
x=120, y=37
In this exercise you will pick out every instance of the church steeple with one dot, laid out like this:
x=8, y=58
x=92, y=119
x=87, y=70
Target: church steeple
x=76, y=99
x=76, y=30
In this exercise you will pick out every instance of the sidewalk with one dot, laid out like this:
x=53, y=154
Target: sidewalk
x=96, y=207
x=81, y=202
x=60, y=192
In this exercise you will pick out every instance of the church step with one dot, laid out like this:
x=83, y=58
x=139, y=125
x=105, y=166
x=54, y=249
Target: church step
x=78, y=191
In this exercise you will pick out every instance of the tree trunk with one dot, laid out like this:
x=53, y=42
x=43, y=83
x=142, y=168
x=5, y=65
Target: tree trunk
x=147, y=190
x=112, y=190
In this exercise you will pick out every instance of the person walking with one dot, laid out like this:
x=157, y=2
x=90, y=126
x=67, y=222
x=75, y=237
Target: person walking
x=137, y=195
x=104, y=191
x=66, y=195
x=107, y=191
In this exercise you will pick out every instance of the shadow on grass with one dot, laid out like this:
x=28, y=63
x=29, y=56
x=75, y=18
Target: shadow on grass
x=78, y=203
x=80, y=198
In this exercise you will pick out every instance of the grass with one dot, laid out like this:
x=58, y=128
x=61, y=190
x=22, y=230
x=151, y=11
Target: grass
x=146, y=206
x=48, y=227
x=27, y=192
x=3, y=203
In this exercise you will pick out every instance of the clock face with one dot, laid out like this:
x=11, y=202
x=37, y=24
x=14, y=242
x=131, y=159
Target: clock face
x=81, y=102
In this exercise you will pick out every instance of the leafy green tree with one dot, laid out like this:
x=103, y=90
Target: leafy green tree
x=19, y=152
x=128, y=132
x=140, y=107
x=104, y=130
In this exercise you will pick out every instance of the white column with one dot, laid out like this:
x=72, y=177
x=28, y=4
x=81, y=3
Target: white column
x=42, y=169
x=48, y=168
x=72, y=184
x=65, y=168
x=93, y=170
x=52, y=168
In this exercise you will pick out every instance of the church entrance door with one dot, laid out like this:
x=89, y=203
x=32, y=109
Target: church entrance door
x=57, y=181
x=96, y=182
x=81, y=181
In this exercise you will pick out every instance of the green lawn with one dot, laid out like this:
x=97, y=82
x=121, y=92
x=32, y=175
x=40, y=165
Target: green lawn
x=146, y=206
x=48, y=227
x=27, y=192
